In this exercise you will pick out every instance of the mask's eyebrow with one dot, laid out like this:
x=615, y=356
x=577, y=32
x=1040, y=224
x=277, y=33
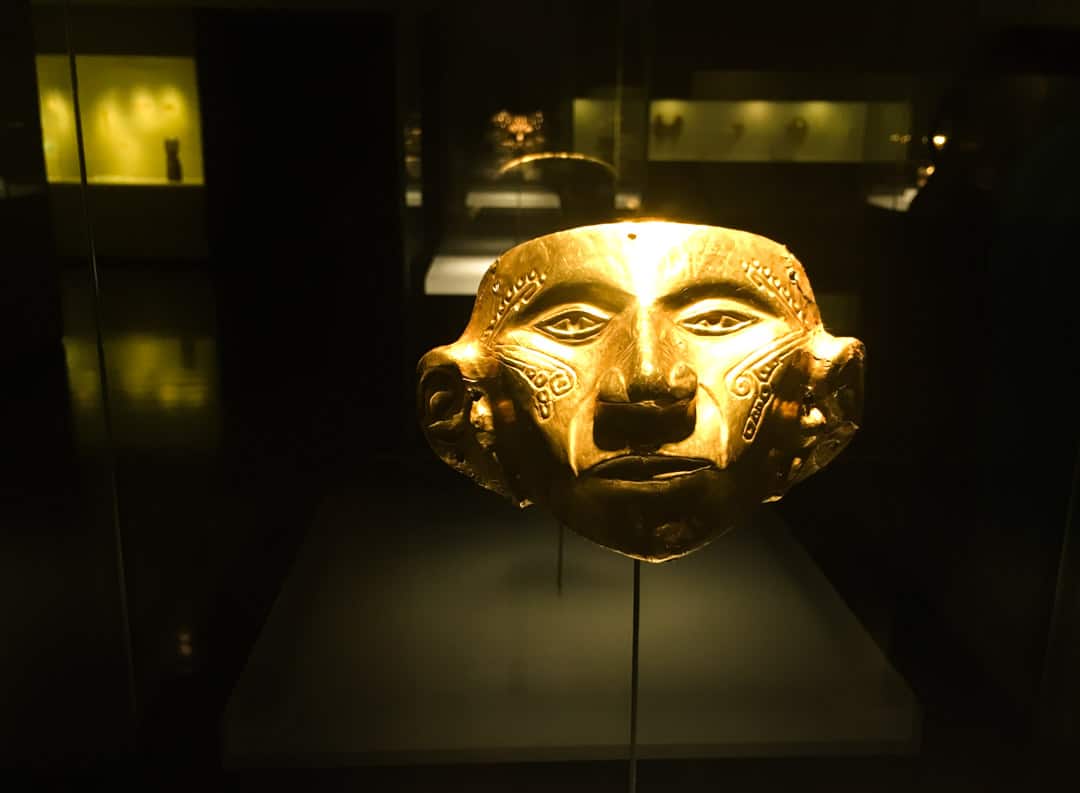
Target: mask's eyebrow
x=723, y=288
x=602, y=295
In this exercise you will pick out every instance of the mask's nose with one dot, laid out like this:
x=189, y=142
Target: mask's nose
x=642, y=407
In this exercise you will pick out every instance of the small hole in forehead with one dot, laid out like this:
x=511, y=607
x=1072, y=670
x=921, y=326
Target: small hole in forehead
x=632, y=236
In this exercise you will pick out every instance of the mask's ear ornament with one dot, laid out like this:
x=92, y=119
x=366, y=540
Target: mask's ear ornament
x=455, y=409
x=830, y=404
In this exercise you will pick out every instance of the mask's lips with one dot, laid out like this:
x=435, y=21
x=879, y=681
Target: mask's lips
x=645, y=468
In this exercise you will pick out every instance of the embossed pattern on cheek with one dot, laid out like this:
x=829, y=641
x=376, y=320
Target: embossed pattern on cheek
x=548, y=378
x=752, y=378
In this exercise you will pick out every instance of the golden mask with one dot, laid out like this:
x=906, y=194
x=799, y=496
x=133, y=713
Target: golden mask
x=648, y=382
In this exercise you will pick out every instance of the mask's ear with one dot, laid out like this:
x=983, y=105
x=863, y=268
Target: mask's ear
x=454, y=409
x=831, y=407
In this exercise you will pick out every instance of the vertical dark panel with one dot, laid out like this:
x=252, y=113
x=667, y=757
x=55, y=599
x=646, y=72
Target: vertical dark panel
x=300, y=127
x=29, y=294
x=63, y=667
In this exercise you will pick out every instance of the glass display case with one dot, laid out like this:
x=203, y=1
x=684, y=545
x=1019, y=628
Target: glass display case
x=232, y=229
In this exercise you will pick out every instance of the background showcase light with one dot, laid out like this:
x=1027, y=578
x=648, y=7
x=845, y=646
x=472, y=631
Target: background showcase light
x=140, y=119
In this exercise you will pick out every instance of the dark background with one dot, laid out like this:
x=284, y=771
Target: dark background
x=950, y=514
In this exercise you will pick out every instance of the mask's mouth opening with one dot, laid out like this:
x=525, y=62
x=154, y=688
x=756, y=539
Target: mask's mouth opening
x=644, y=468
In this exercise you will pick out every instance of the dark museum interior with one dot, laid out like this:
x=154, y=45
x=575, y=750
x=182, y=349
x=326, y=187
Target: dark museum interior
x=229, y=229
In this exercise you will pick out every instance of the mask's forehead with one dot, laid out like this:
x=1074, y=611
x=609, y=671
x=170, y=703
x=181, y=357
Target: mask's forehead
x=648, y=260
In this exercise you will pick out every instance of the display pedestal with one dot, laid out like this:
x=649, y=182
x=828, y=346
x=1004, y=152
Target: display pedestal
x=408, y=634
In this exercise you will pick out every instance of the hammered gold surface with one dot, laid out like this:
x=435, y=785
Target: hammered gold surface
x=648, y=382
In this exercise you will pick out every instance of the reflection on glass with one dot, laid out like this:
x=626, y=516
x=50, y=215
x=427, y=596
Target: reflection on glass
x=140, y=119
x=183, y=643
x=161, y=387
x=158, y=372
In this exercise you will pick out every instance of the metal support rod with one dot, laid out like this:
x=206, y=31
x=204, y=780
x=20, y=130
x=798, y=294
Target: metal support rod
x=632, y=787
x=558, y=571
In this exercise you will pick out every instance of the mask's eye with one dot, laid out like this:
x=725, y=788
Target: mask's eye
x=574, y=324
x=717, y=321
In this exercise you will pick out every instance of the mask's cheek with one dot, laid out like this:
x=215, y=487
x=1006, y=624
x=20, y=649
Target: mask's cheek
x=720, y=414
x=555, y=421
x=569, y=430
x=711, y=439
x=581, y=451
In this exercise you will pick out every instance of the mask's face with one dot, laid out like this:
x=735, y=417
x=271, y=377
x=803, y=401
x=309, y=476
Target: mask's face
x=647, y=382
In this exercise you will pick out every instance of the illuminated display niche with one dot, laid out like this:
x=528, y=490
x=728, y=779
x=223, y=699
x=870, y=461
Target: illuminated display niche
x=130, y=105
x=693, y=130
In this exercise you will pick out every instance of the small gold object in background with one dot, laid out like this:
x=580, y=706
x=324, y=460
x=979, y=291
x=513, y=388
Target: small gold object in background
x=664, y=130
x=516, y=132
